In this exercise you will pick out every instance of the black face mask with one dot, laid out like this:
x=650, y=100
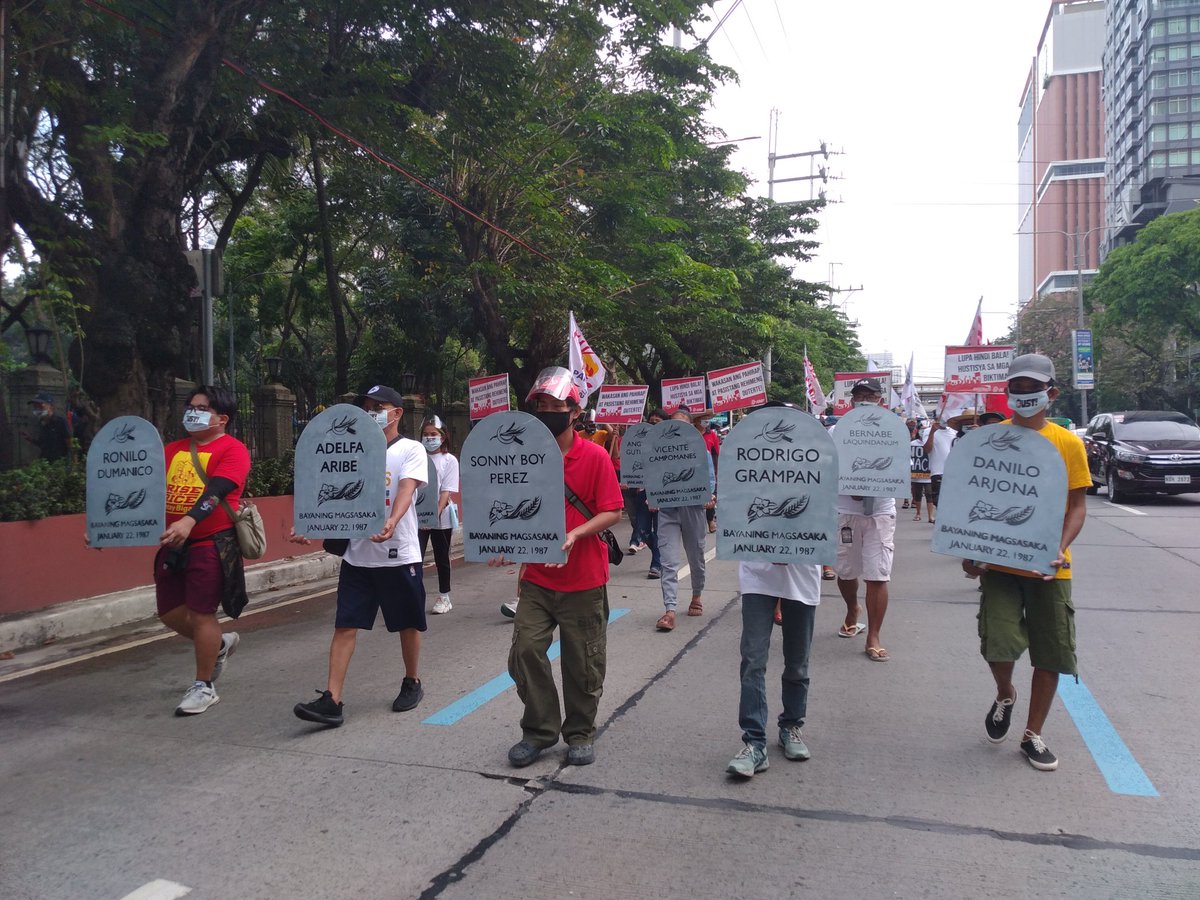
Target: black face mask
x=557, y=422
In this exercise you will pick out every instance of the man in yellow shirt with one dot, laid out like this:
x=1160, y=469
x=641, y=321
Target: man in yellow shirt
x=1020, y=609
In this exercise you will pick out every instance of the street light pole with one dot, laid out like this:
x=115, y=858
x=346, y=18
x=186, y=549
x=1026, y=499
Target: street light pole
x=1083, y=403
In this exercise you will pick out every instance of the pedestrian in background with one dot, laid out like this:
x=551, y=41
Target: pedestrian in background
x=53, y=437
x=436, y=440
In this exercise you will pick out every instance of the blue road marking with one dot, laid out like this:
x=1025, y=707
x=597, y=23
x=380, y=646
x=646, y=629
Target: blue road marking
x=1113, y=759
x=464, y=706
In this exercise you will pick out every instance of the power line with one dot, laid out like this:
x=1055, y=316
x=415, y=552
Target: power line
x=725, y=18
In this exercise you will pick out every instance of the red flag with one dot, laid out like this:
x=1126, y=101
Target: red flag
x=975, y=335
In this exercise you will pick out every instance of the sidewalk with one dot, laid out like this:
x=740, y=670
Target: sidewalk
x=59, y=631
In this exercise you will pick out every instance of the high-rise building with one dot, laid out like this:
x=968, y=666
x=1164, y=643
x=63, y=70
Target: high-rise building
x=1152, y=111
x=1060, y=142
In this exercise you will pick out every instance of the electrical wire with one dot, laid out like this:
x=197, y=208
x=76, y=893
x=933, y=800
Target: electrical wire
x=725, y=18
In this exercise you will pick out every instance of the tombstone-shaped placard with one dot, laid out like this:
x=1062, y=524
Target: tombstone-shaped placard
x=676, y=469
x=426, y=501
x=126, y=485
x=778, y=489
x=341, y=472
x=512, y=485
x=873, y=453
x=1004, y=494
x=633, y=455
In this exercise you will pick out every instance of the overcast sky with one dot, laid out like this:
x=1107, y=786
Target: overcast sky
x=922, y=98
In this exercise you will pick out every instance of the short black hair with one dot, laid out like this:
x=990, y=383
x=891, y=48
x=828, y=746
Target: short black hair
x=658, y=412
x=220, y=400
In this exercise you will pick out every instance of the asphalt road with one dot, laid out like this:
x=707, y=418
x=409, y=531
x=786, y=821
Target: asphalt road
x=106, y=792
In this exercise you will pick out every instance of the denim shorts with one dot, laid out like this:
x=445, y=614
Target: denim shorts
x=363, y=591
x=1016, y=612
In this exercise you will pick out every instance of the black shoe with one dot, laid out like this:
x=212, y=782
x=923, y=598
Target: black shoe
x=581, y=755
x=322, y=710
x=998, y=719
x=1038, y=753
x=654, y=573
x=523, y=753
x=410, y=695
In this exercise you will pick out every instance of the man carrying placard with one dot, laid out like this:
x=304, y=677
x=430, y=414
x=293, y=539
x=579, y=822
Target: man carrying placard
x=1022, y=609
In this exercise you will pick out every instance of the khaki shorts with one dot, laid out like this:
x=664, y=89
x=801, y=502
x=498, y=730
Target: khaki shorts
x=869, y=553
x=1016, y=612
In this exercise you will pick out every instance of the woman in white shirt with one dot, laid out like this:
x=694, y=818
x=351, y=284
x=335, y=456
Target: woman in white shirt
x=437, y=444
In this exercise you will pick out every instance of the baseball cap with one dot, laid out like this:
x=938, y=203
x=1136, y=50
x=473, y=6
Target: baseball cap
x=1032, y=365
x=43, y=397
x=556, y=382
x=866, y=384
x=383, y=394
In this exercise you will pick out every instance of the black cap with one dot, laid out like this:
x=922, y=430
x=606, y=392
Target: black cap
x=383, y=394
x=867, y=384
x=43, y=397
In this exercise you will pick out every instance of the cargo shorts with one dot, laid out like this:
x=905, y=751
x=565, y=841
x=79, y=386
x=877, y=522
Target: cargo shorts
x=1017, y=612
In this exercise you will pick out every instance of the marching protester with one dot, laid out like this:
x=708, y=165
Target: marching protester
x=572, y=596
x=867, y=527
x=712, y=441
x=919, y=470
x=436, y=440
x=199, y=561
x=681, y=531
x=938, y=442
x=380, y=572
x=1020, y=609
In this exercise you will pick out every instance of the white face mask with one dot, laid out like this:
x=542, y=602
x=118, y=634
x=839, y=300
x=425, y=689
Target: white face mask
x=431, y=443
x=381, y=417
x=858, y=403
x=197, y=420
x=1028, y=405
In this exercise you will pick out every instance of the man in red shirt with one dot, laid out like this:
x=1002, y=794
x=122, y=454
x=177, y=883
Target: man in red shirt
x=572, y=596
x=189, y=579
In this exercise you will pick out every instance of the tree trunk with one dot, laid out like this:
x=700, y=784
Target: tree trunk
x=341, y=344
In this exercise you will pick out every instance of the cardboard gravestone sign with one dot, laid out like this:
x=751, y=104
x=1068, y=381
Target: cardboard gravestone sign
x=426, y=499
x=1004, y=494
x=341, y=472
x=512, y=475
x=873, y=453
x=633, y=455
x=676, y=466
x=126, y=485
x=778, y=487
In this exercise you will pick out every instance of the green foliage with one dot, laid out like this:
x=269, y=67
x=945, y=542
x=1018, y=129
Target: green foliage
x=272, y=477
x=42, y=489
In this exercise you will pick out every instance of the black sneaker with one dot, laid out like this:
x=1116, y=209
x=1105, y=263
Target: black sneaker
x=654, y=573
x=322, y=710
x=410, y=695
x=998, y=719
x=1038, y=753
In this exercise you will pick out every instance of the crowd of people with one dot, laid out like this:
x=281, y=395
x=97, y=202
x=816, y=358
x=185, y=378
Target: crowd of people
x=196, y=570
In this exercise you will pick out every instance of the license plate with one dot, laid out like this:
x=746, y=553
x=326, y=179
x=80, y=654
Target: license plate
x=1178, y=479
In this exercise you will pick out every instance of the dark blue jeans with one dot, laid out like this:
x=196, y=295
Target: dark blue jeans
x=758, y=618
x=645, y=524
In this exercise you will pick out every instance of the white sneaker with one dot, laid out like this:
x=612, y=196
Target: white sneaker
x=442, y=605
x=509, y=609
x=198, y=698
x=229, y=644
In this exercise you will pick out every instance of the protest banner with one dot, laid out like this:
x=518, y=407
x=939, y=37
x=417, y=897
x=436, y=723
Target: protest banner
x=677, y=392
x=1004, y=494
x=488, y=394
x=873, y=453
x=633, y=455
x=512, y=473
x=340, y=475
x=621, y=404
x=843, y=381
x=737, y=387
x=778, y=486
x=425, y=501
x=977, y=370
x=676, y=469
x=126, y=485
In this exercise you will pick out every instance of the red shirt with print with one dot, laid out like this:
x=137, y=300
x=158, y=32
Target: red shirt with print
x=224, y=457
x=588, y=471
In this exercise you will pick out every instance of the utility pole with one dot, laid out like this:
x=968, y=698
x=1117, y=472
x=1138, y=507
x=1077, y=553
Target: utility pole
x=815, y=172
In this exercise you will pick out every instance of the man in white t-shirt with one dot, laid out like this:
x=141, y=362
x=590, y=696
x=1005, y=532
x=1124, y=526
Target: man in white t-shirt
x=937, y=447
x=797, y=591
x=383, y=571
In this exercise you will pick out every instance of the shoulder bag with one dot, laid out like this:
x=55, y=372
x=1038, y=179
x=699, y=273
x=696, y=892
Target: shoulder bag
x=615, y=554
x=247, y=521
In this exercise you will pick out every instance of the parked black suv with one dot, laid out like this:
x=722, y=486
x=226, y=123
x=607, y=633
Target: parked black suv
x=1143, y=452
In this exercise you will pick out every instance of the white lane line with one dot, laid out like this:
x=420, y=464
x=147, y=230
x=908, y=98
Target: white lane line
x=1128, y=509
x=159, y=889
x=129, y=645
x=686, y=570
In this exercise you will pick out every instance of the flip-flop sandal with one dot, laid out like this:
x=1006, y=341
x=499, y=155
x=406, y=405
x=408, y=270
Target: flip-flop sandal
x=853, y=631
x=877, y=654
x=917, y=517
x=666, y=622
x=696, y=608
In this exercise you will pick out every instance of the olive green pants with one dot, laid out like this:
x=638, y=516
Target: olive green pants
x=582, y=621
